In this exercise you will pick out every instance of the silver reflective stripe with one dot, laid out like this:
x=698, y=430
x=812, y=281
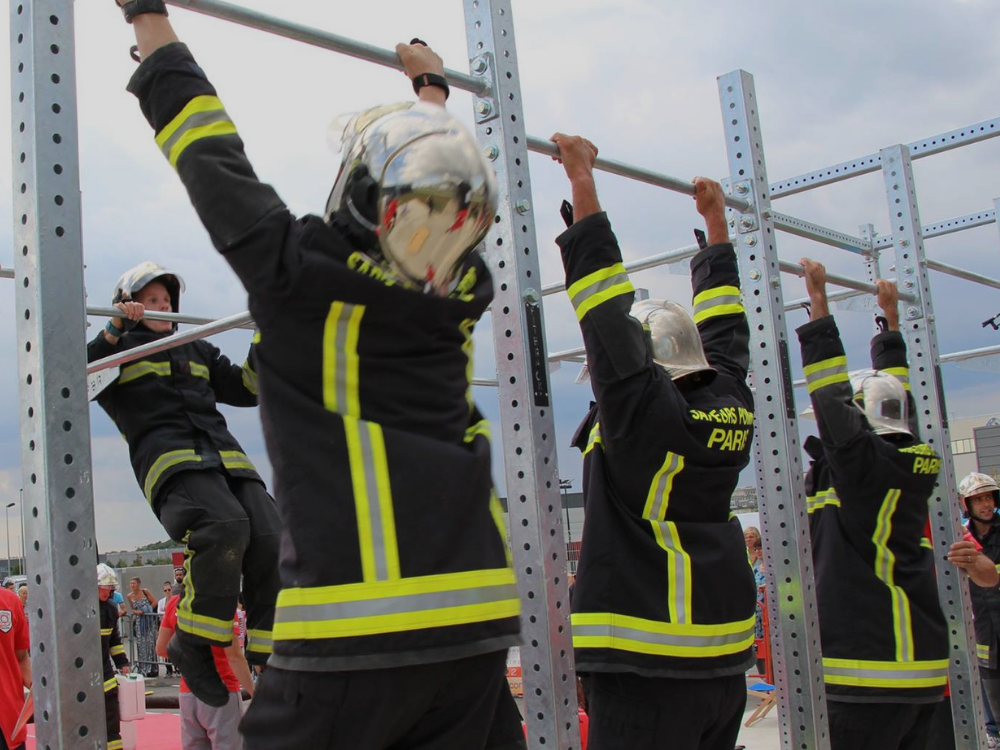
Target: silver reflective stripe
x=597, y=287
x=727, y=299
x=374, y=504
x=680, y=567
x=658, y=511
x=196, y=120
x=826, y=372
x=660, y=639
x=884, y=674
x=226, y=632
x=395, y=605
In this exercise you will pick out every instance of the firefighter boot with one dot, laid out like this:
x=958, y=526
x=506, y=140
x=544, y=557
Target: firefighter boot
x=196, y=663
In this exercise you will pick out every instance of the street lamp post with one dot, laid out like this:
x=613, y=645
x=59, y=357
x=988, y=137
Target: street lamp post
x=6, y=522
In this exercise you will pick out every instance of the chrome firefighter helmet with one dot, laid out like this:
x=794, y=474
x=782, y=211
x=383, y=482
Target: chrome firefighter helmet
x=414, y=176
x=134, y=279
x=676, y=344
x=976, y=484
x=106, y=576
x=882, y=398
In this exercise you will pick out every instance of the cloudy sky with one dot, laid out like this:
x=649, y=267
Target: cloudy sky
x=834, y=81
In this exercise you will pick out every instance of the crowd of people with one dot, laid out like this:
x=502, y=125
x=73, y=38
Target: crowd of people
x=383, y=617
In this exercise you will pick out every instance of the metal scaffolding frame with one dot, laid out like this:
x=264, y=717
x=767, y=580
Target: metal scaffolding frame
x=53, y=393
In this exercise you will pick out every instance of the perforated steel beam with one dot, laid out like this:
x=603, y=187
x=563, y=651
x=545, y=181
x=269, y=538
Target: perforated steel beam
x=525, y=407
x=948, y=226
x=792, y=605
x=52, y=387
x=831, y=237
x=936, y=144
x=928, y=392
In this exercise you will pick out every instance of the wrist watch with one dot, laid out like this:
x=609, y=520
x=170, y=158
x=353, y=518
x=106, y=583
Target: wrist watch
x=134, y=8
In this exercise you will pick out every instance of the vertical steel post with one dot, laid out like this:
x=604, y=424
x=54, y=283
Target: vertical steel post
x=52, y=385
x=792, y=604
x=525, y=402
x=928, y=391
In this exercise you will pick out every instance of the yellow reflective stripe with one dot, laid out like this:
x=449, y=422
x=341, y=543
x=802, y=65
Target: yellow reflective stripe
x=598, y=287
x=117, y=650
x=826, y=498
x=202, y=117
x=115, y=744
x=482, y=427
x=637, y=635
x=199, y=371
x=885, y=674
x=678, y=571
x=925, y=542
x=341, y=363
x=983, y=651
x=885, y=562
x=372, y=500
x=249, y=378
x=106, y=631
x=659, y=490
x=468, y=348
x=110, y=684
x=166, y=461
x=404, y=604
x=212, y=628
x=594, y=439
x=722, y=300
x=137, y=370
x=900, y=373
x=826, y=372
x=261, y=641
x=496, y=510
x=236, y=460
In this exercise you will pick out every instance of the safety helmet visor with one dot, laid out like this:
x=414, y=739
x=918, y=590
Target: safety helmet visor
x=676, y=344
x=882, y=398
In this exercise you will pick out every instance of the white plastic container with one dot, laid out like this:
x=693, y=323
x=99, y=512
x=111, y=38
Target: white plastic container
x=128, y=735
x=131, y=697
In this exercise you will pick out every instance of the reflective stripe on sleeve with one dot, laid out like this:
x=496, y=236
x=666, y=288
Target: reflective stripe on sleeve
x=203, y=117
x=137, y=370
x=199, y=371
x=822, y=500
x=983, y=651
x=598, y=287
x=110, y=684
x=722, y=300
x=405, y=604
x=236, y=460
x=826, y=372
x=117, y=650
x=634, y=634
x=261, y=641
x=249, y=378
x=902, y=374
x=594, y=439
x=214, y=629
x=167, y=461
x=885, y=674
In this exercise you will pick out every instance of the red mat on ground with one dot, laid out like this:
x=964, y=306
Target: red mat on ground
x=155, y=732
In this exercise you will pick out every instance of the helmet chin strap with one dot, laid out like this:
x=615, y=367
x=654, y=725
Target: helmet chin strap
x=356, y=215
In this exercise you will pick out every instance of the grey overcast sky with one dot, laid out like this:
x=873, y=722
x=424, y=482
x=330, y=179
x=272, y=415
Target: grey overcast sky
x=834, y=81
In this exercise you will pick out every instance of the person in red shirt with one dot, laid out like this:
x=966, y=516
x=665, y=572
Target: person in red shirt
x=205, y=727
x=15, y=667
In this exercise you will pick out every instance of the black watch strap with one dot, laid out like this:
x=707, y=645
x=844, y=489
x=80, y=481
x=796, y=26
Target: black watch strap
x=135, y=8
x=424, y=79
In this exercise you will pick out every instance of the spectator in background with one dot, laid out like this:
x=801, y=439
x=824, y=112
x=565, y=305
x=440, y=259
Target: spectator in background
x=205, y=727
x=142, y=603
x=161, y=610
x=241, y=620
x=15, y=668
x=22, y=592
x=118, y=600
x=755, y=552
x=178, y=575
x=8, y=583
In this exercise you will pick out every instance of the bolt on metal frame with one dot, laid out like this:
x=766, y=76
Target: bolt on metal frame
x=44, y=114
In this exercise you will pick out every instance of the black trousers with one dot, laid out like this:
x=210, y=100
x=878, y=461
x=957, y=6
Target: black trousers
x=230, y=527
x=880, y=726
x=445, y=706
x=632, y=712
x=112, y=719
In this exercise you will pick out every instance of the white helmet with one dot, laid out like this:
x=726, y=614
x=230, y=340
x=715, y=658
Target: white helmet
x=413, y=176
x=106, y=576
x=976, y=484
x=676, y=344
x=134, y=279
x=883, y=400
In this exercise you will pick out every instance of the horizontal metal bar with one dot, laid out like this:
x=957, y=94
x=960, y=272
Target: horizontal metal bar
x=810, y=231
x=861, y=286
x=6, y=273
x=950, y=226
x=961, y=273
x=872, y=162
x=254, y=20
x=676, y=184
x=486, y=382
x=834, y=297
x=652, y=261
x=169, y=342
x=985, y=351
x=568, y=355
x=113, y=312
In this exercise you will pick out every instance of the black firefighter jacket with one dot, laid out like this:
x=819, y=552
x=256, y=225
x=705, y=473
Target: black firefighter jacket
x=112, y=651
x=664, y=587
x=986, y=602
x=883, y=633
x=164, y=405
x=393, y=549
